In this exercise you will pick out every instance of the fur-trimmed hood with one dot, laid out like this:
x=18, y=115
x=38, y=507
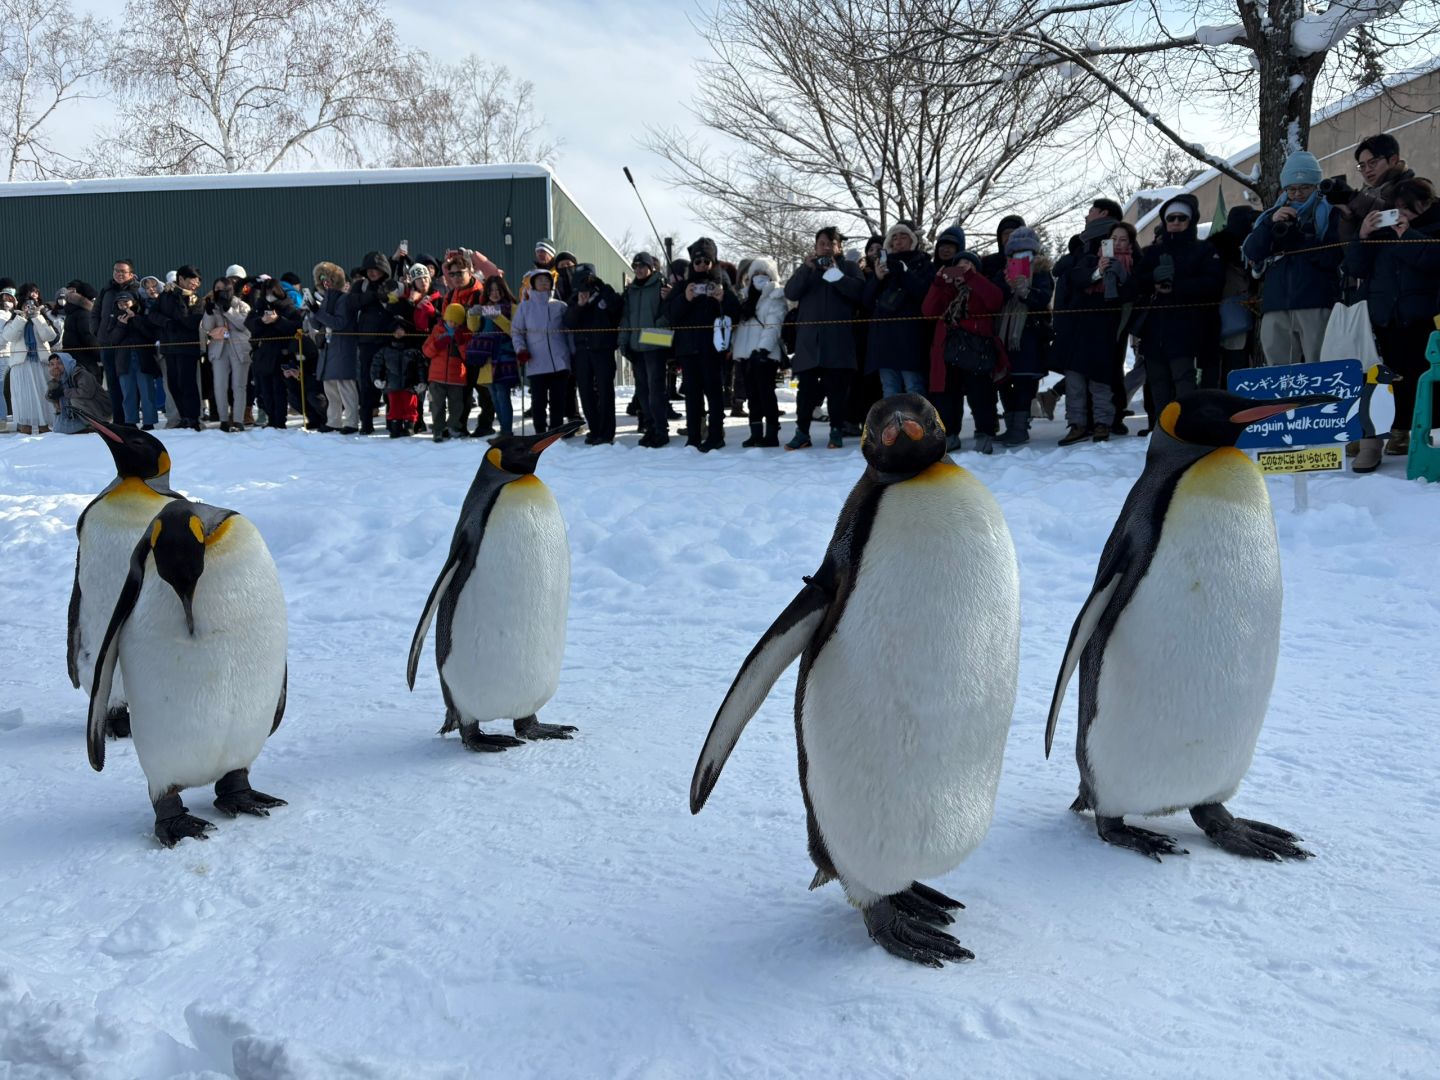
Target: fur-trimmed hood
x=762, y=267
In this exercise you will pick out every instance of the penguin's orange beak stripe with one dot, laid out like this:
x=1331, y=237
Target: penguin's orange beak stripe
x=103, y=430
x=548, y=441
x=1261, y=412
x=890, y=434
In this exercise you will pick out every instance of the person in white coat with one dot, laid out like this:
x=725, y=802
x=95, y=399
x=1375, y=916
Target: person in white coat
x=543, y=348
x=757, y=348
x=228, y=345
x=28, y=334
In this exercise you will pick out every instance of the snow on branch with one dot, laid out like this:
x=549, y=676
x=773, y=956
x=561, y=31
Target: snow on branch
x=1321, y=32
x=1220, y=35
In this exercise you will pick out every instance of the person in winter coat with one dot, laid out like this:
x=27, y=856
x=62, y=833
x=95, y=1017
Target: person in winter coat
x=78, y=335
x=898, y=345
x=75, y=393
x=274, y=322
x=130, y=337
x=445, y=349
x=122, y=282
x=1027, y=284
x=1399, y=269
x=367, y=303
x=1098, y=286
x=967, y=358
x=594, y=313
x=177, y=317
x=543, y=348
x=1237, y=295
x=28, y=334
x=1181, y=276
x=395, y=371
x=1381, y=168
x=993, y=265
x=698, y=307
x=464, y=288
x=339, y=355
x=228, y=346
x=493, y=353
x=1294, y=247
x=826, y=290
x=642, y=310
x=757, y=347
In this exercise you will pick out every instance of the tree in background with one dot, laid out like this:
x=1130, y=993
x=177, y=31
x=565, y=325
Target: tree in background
x=48, y=57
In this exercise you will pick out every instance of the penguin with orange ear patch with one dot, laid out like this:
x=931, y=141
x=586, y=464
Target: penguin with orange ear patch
x=501, y=600
x=1178, y=640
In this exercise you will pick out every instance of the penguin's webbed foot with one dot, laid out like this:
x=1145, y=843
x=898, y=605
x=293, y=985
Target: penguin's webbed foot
x=922, y=902
x=1113, y=830
x=529, y=727
x=909, y=938
x=475, y=739
x=117, y=722
x=234, y=796
x=174, y=823
x=1241, y=836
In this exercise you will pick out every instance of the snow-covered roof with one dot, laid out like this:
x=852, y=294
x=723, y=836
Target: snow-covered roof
x=250, y=181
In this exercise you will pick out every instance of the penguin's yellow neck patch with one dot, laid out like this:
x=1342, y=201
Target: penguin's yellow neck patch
x=1225, y=473
x=164, y=464
x=942, y=472
x=530, y=480
x=132, y=487
x=220, y=531
x=1169, y=417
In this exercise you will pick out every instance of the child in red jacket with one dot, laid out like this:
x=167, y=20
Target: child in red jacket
x=445, y=348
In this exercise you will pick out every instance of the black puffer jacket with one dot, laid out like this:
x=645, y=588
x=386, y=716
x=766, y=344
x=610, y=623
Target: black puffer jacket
x=177, y=316
x=275, y=342
x=694, y=320
x=1400, y=278
x=596, y=320
x=904, y=344
x=1184, y=321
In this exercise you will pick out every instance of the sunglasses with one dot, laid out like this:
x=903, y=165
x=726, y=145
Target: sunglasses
x=1177, y=217
x=700, y=261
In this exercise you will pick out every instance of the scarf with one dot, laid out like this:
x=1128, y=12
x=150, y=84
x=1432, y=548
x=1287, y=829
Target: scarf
x=1012, y=322
x=1314, y=209
x=959, y=309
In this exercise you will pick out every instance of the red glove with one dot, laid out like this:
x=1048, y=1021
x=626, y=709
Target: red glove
x=523, y=356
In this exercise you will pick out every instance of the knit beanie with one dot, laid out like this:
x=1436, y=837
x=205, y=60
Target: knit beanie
x=703, y=248
x=953, y=235
x=971, y=256
x=454, y=314
x=1301, y=167
x=644, y=258
x=1023, y=239
x=547, y=246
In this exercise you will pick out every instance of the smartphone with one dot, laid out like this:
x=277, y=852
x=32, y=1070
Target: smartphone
x=405, y=246
x=1387, y=218
x=1107, y=248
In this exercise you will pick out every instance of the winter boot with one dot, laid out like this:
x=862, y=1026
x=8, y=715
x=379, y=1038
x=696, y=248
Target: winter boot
x=738, y=409
x=1077, y=433
x=1046, y=399
x=1017, y=428
x=837, y=439
x=1367, y=457
x=392, y=428
x=772, y=434
x=984, y=444
x=799, y=441
x=1398, y=445
x=1102, y=433
x=757, y=435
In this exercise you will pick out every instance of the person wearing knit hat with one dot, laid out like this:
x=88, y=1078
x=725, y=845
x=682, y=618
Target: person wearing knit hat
x=640, y=343
x=449, y=394
x=1295, y=248
x=697, y=306
x=544, y=253
x=897, y=345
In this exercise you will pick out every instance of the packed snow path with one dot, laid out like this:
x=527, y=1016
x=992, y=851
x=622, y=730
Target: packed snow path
x=554, y=910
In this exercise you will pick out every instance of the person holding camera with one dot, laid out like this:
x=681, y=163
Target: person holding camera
x=338, y=368
x=697, y=308
x=826, y=289
x=367, y=303
x=122, y=281
x=228, y=346
x=177, y=319
x=542, y=348
x=898, y=338
x=75, y=393
x=78, y=335
x=641, y=311
x=130, y=338
x=757, y=347
x=1295, y=248
x=273, y=322
x=28, y=334
x=594, y=315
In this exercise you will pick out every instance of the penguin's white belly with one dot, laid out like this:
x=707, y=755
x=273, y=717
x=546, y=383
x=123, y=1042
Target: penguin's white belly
x=507, y=636
x=1187, y=671
x=203, y=706
x=906, y=709
x=113, y=526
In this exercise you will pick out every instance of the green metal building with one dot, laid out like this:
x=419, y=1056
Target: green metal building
x=273, y=222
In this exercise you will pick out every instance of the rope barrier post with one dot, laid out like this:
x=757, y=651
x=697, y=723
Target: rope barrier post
x=300, y=368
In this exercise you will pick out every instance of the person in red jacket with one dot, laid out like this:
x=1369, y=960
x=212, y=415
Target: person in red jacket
x=966, y=358
x=445, y=348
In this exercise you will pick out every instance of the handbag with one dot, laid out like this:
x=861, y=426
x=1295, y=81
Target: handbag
x=969, y=352
x=1236, y=318
x=1348, y=335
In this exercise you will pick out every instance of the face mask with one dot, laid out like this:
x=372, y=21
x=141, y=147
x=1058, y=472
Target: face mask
x=760, y=281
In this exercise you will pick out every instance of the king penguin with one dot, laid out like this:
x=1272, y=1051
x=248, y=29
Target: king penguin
x=502, y=599
x=1178, y=641
x=909, y=639
x=106, y=535
x=200, y=629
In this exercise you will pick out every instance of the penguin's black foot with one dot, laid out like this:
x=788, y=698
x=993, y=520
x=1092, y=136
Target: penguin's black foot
x=1241, y=836
x=1113, y=830
x=1082, y=801
x=117, y=722
x=528, y=727
x=235, y=796
x=174, y=823
x=477, y=740
x=913, y=903
x=908, y=937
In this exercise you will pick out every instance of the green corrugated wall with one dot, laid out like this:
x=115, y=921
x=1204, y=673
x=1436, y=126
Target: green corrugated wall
x=53, y=238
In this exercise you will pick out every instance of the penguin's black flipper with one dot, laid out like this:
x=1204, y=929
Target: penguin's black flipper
x=777, y=650
x=1112, y=572
x=284, y=693
x=458, y=554
x=72, y=635
x=110, y=653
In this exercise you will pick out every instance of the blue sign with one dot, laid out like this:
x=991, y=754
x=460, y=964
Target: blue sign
x=1317, y=425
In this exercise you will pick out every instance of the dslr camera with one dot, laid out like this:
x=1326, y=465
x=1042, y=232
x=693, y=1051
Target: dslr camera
x=1337, y=190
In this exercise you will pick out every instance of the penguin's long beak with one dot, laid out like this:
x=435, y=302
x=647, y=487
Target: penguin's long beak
x=902, y=423
x=102, y=429
x=1267, y=409
x=187, y=599
x=551, y=437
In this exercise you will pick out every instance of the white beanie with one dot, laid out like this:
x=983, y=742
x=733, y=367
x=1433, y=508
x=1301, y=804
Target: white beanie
x=546, y=246
x=235, y=270
x=170, y=277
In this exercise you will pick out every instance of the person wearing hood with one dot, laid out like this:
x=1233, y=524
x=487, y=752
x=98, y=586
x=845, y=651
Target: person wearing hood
x=593, y=316
x=367, y=304
x=757, y=348
x=75, y=393
x=177, y=317
x=1028, y=286
x=158, y=384
x=1399, y=271
x=826, y=289
x=78, y=336
x=966, y=358
x=446, y=347
x=1294, y=247
x=993, y=264
x=1181, y=278
x=702, y=308
x=898, y=337
x=642, y=310
x=542, y=347
x=337, y=371
x=1237, y=296
x=28, y=335
x=464, y=288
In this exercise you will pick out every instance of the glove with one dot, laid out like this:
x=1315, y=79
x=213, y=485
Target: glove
x=523, y=356
x=379, y=384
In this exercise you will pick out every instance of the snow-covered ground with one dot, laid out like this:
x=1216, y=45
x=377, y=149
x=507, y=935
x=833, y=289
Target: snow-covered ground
x=555, y=911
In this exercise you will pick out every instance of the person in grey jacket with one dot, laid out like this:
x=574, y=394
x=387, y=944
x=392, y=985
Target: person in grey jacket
x=76, y=393
x=542, y=347
x=827, y=288
x=228, y=346
x=644, y=310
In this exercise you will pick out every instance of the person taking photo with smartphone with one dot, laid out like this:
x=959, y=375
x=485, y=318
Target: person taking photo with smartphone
x=694, y=306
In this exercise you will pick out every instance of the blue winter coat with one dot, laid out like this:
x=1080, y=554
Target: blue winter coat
x=1400, y=279
x=1305, y=272
x=338, y=361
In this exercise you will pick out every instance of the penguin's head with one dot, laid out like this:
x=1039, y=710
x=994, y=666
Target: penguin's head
x=1218, y=417
x=137, y=453
x=903, y=434
x=519, y=454
x=1380, y=375
x=177, y=540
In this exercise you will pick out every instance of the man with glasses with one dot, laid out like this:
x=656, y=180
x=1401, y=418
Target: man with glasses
x=122, y=283
x=1295, y=246
x=1381, y=167
x=463, y=288
x=177, y=316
